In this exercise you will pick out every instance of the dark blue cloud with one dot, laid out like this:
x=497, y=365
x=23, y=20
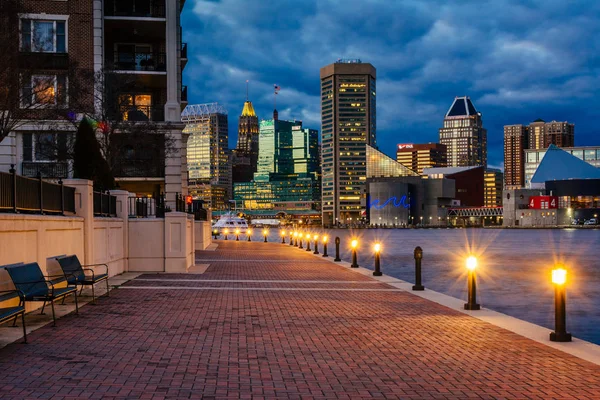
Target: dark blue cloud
x=518, y=60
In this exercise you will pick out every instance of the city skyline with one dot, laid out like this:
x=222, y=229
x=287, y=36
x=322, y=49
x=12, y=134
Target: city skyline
x=516, y=74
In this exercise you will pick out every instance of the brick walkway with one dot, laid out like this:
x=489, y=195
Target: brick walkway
x=331, y=333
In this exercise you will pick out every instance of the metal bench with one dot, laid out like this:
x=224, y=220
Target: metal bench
x=8, y=313
x=75, y=274
x=33, y=286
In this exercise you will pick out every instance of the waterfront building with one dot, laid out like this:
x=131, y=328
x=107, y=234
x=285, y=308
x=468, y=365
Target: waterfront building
x=207, y=153
x=492, y=187
x=469, y=183
x=380, y=165
x=565, y=189
x=348, y=115
x=464, y=135
x=118, y=61
x=533, y=158
x=417, y=157
x=516, y=140
x=287, y=171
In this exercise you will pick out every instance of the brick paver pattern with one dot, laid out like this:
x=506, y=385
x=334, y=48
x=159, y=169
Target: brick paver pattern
x=301, y=341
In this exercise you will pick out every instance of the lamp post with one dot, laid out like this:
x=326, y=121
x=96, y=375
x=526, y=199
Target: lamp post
x=471, y=266
x=215, y=233
x=377, y=249
x=265, y=233
x=249, y=234
x=226, y=232
x=337, y=249
x=291, y=238
x=308, y=237
x=296, y=239
x=559, y=279
x=300, y=237
x=325, y=238
x=282, y=237
x=354, y=245
x=316, y=239
x=418, y=257
x=237, y=235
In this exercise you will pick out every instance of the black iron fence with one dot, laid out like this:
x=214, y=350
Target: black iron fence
x=105, y=205
x=147, y=207
x=46, y=169
x=21, y=194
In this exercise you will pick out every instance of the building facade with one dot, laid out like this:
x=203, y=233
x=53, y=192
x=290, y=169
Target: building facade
x=492, y=187
x=533, y=158
x=463, y=135
x=516, y=140
x=417, y=157
x=348, y=115
x=287, y=169
x=208, y=156
x=129, y=59
x=245, y=155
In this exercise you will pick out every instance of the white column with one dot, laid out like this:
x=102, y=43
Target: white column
x=84, y=207
x=123, y=213
x=173, y=106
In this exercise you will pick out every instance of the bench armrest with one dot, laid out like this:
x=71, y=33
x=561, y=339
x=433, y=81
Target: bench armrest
x=85, y=267
x=17, y=291
x=46, y=281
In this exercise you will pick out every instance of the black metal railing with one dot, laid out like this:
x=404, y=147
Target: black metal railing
x=52, y=170
x=135, y=8
x=105, y=205
x=147, y=207
x=129, y=61
x=184, y=50
x=184, y=93
x=22, y=194
x=138, y=113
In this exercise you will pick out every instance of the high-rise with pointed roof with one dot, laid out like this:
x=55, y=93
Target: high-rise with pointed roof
x=245, y=156
x=464, y=135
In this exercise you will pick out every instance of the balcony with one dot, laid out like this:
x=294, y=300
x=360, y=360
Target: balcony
x=151, y=62
x=137, y=113
x=34, y=60
x=184, y=94
x=50, y=170
x=140, y=169
x=135, y=8
x=184, y=55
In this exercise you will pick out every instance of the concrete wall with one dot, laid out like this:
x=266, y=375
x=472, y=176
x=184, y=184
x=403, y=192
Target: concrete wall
x=108, y=244
x=202, y=234
x=147, y=245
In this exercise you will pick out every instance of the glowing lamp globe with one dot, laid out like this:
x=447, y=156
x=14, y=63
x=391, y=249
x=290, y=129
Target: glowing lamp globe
x=471, y=263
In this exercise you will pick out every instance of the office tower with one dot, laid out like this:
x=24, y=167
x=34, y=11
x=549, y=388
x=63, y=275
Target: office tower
x=117, y=62
x=207, y=153
x=516, y=140
x=245, y=156
x=560, y=134
x=287, y=169
x=464, y=135
x=420, y=156
x=348, y=118
x=492, y=187
x=537, y=134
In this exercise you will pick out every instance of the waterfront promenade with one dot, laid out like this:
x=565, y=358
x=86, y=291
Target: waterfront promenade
x=266, y=320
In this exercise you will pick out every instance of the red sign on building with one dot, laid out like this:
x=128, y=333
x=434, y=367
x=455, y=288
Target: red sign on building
x=543, y=202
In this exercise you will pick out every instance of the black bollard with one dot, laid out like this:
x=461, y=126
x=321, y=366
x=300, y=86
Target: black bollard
x=300, y=237
x=316, y=245
x=472, y=304
x=237, y=235
x=215, y=233
x=249, y=233
x=308, y=237
x=283, y=237
x=226, y=234
x=325, y=247
x=418, y=257
x=560, y=334
x=337, y=249
x=291, y=238
x=377, y=271
x=354, y=245
x=265, y=235
x=296, y=239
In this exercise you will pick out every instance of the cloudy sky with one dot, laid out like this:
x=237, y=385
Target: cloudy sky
x=518, y=60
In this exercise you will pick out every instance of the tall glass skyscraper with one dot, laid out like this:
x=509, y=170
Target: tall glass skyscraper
x=348, y=115
x=464, y=135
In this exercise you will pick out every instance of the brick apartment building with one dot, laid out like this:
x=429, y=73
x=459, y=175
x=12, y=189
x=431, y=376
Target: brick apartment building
x=73, y=56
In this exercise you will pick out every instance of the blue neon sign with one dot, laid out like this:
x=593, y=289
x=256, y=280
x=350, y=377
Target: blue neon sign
x=393, y=200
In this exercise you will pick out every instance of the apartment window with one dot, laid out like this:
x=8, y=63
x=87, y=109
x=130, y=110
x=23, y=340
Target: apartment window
x=44, y=91
x=43, y=36
x=46, y=146
x=136, y=107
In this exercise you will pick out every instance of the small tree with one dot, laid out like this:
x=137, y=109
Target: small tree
x=88, y=162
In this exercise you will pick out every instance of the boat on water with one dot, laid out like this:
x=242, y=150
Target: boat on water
x=232, y=222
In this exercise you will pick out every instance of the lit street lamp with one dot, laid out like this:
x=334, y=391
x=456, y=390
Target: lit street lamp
x=300, y=237
x=316, y=239
x=377, y=249
x=237, y=235
x=226, y=233
x=308, y=237
x=282, y=237
x=265, y=233
x=354, y=245
x=249, y=234
x=325, y=238
x=559, y=279
x=471, y=266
